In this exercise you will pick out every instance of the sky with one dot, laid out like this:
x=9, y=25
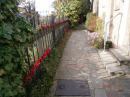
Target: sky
x=44, y=5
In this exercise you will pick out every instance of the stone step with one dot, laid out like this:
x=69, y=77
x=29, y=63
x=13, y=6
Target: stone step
x=126, y=49
x=121, y=56
x=110, y=63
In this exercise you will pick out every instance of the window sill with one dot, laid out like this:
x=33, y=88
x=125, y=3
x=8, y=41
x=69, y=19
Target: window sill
x=117, y=8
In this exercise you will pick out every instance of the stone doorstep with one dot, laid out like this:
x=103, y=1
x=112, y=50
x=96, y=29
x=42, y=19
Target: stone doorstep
x=120, y=55
x=126, y=49
x=112, y=67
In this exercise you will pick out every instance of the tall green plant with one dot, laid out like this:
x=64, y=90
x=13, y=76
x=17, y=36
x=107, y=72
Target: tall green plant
x=72, y=10
x=16, y=34
x=89, y=16
x=100, y=24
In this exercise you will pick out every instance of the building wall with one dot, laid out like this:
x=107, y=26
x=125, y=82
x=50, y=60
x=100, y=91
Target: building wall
x=118, y=29
x=94, y=6
x=116, y=24
x=125, y=26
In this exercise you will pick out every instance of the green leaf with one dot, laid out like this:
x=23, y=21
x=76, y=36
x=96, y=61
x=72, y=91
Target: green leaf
x=1, y=60
x=9, y=66
x=7, y=58
x=16, y=59
x=1, y=72
x=1, y=17
x=8, y=36
x=1, y=81
x=17, y=80
x=10, y=93
x=18, y=30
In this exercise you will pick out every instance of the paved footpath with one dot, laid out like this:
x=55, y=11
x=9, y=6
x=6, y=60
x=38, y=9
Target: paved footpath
x=81, y=60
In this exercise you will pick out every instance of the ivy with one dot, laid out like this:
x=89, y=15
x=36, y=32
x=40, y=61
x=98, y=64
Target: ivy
x=16, y=33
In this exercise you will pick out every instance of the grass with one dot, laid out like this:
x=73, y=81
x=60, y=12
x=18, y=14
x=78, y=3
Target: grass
x=50, y=66
x=120, y=74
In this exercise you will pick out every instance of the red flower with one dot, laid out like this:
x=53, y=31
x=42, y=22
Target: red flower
x=27, y=78
x=63, y=46
x=38, y=62
x=32, y=71
x=42, y=57
x=48, y=25
x=34, y=67
x=37, y=66
x=51, y=24
x=47, y=51
x=44, y=54
x=43, y=26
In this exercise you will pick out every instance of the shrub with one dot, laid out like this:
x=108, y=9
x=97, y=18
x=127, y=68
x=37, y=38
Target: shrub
x=90, y=17
x=100, y=24
x=73, y=10
x=92, y=24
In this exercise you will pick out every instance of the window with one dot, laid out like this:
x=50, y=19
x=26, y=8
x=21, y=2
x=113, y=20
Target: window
x=117, y=5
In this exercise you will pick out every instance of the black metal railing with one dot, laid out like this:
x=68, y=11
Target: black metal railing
x=47, y=38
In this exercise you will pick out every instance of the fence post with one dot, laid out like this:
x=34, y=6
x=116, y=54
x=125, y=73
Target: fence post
x=53, y=31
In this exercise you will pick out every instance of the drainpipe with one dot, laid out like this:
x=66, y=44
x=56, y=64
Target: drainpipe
x=105, y=35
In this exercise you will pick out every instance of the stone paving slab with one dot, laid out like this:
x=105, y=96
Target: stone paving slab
x=100, y=93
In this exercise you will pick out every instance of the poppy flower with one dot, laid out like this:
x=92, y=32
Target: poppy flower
x=51, y=24
x=38, y=62
x=48, y=25
x=42, y=26
x=44, y=54
x=32, y=71
x=37, y=66
x=42, y=57
x=48, y=50
x=34, y=67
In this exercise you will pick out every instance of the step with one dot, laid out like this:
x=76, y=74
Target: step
x=121, y=56
x=126, y=49
x=110, y=63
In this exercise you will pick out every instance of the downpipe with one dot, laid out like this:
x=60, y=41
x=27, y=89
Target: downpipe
x=105, y=35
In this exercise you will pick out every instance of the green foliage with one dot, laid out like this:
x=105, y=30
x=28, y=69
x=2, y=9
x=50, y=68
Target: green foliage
x=120, y=74
x=98, y=44
x=73, y=10
x=100, y=24
x=85, y=4
x=16, y=34
x=89, y=16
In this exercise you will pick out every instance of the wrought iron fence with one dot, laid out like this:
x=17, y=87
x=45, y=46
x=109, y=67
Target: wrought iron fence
x=51, y=29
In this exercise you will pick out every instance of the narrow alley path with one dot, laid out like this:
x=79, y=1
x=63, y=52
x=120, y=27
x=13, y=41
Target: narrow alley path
x=80, y=61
